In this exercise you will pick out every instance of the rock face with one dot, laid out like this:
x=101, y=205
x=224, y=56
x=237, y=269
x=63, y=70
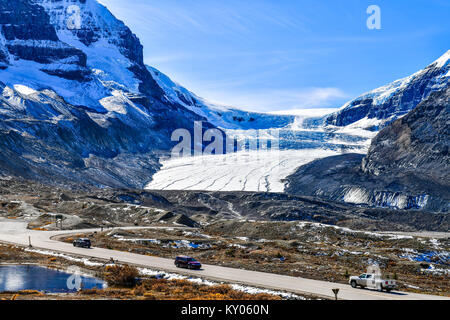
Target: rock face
x=407, y=166
x=418, y=144
x=376, y=109
x=87, y=25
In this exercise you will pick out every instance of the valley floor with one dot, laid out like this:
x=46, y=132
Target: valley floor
x=238, y=236
x=94, y=257
x=298, y=249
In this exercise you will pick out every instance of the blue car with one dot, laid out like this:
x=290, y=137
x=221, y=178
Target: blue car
x=187, y=262
x=82, y=243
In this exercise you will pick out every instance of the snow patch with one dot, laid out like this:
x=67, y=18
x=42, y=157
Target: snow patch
x=24, y=89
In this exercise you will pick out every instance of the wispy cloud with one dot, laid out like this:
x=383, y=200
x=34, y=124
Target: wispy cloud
x=269, y=56
x=238, y=18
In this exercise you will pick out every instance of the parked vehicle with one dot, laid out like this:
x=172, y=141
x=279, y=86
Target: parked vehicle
x=187, y=262
x=373, y=281
x=82, y=243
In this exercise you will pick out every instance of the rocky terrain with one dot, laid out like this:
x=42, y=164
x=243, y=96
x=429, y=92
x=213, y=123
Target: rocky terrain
x=78, y=104
x=407, y=166
x=40, y=204
x=417, y=145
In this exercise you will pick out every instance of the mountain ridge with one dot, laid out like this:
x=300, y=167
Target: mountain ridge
x=377, y=108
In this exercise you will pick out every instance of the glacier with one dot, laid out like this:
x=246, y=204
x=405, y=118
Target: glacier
x=306, y=139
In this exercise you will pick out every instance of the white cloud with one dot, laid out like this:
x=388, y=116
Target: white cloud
x=282, y=100
x=317, y=112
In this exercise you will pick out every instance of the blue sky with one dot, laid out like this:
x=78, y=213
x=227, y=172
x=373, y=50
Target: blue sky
x=286, y=54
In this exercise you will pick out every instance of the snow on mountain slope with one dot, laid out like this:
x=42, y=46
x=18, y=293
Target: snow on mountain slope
x=79, y=105
x=407, y=166
x=255, y=169
x=241, y=171
x=115, y=58
x=112, y=50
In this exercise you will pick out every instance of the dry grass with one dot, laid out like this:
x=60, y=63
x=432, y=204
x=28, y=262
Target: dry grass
x=161, y=289
x=118, y=275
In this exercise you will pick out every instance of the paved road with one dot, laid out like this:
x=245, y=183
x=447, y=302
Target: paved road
x=15, y=232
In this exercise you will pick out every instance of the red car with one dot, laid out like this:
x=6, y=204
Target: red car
x=187, y=262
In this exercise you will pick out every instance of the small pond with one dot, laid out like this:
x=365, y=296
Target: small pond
x=32, y=277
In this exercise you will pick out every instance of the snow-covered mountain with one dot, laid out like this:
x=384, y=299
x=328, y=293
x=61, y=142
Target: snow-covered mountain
x=378, y=108
x=407, y=163
x=407, y=166
x=78, y=105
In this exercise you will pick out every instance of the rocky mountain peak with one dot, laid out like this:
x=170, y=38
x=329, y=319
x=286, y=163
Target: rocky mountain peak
x=27, y=34
x=93, y=29
x=419, y=142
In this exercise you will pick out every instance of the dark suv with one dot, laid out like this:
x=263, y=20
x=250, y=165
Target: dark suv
x=187, y=262
x=82, y=243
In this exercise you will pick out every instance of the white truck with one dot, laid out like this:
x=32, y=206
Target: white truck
x=373, y=281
